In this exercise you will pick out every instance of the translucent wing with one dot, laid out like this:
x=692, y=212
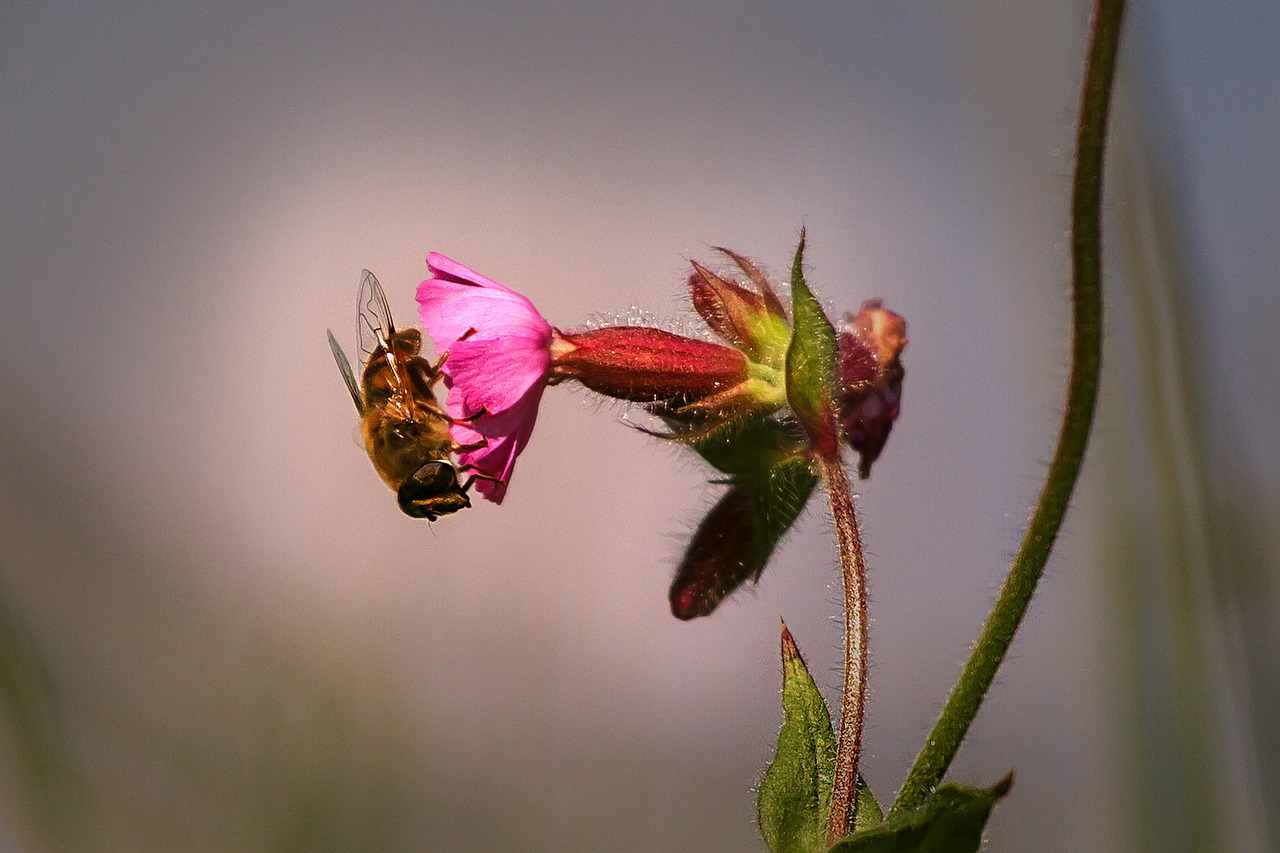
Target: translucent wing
x=345, y=367
x=374, y=328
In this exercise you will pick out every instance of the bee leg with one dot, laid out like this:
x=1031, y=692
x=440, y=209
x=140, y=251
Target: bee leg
x=426, y=374
x=476, y=475
x=471, y=418
x=464, y=448
x=435, y=373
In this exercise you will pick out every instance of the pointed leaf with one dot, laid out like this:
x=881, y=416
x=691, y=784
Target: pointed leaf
x=950, y=822
x=795, y=793
x=812, y=362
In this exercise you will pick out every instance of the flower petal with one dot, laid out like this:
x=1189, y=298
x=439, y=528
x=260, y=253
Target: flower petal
x=450, y=270
x=506, y=435
x=494, y=373
x=459, y=299
x=498, y=362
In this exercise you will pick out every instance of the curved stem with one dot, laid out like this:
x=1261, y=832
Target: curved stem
x=853, y=575
x=1082, y=389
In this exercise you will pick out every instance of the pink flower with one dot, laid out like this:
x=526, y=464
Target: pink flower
x=502, y=354
x=499, y=360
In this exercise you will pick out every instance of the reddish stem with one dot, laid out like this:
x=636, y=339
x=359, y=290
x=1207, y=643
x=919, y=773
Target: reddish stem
x=853, y=574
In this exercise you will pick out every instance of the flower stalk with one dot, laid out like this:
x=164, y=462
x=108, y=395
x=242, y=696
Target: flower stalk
x=853, y=576
x=1082, y=390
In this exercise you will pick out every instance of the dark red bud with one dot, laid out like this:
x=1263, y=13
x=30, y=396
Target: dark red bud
x=734, y=542
x=645, y=365
x=725, y=551
x=884, y=330
x=871, y=376
x=859, y=366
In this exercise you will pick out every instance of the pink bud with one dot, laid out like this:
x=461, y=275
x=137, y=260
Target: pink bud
x=753, y=322
x=728, y=308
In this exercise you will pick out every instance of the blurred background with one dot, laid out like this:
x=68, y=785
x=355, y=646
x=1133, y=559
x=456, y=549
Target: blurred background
x=219, y=633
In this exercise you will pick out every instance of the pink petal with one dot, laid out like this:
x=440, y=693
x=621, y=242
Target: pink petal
x=507, y=435
x=459, y=299
x=498, y=361
x=450, y=270
x=494, y=373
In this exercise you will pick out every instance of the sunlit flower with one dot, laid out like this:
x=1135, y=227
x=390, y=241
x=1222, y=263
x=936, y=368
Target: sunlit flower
x=501, y=354
x=498, y=362
x=747, y=402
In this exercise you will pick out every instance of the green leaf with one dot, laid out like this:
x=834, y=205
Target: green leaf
x=951, y=821
x=795, y=793
x=811, y=362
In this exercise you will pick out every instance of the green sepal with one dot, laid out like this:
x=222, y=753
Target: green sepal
x=770, y=458
x=811, y=362
x=774, y=336
x=780, y=497
x=751, y=447
x=951, y=821
x=769, y=471
x=795, y=793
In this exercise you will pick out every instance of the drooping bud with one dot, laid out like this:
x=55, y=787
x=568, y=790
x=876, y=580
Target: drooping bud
x=871, y=376
x=724, y=552
x=736, y=538
x=753, y=322
x=760, y=280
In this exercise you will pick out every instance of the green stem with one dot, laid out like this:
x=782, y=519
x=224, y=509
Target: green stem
x=853, y=574
x=1082, y=390
x=36, y=745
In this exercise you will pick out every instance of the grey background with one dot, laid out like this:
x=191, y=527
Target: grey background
x=252, y=648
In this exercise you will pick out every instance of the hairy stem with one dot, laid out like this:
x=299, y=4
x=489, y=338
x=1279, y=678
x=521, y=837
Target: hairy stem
x=853, y=575
x=1082, y=390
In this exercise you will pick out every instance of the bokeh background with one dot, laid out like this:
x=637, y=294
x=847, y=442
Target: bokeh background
x=219, y=633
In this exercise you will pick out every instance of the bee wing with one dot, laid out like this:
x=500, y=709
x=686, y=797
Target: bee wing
x=374, y=328
x=344, y=367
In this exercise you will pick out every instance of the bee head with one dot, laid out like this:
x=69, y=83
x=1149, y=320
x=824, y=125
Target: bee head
x=432, y=491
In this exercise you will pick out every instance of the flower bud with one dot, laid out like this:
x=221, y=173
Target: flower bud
x=753, y=322
x=646, y=365
x=735, y=540
x=871, y=376
x=724, y=552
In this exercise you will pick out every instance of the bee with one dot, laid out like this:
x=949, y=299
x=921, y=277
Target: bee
x=404, y=428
